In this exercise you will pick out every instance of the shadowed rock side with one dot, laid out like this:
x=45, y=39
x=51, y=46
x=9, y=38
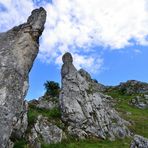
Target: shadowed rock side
x=18, y=49
x=86, y=111
x=139, y=142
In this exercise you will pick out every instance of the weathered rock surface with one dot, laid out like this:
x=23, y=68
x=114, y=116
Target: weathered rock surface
x=86, y=111
x=21, y=123
x=140, y=101
x=18, y=49
x=132, y=87
x=46, y=102
x=95, y=85
x=43, y=129
x=139, y=142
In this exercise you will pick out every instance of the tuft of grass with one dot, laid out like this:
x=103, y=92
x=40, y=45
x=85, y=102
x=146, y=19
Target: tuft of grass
x=20, y=144
x=34, y=112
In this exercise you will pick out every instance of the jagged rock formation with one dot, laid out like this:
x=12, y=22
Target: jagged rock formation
x=86, y=111
x=18, y=49
x=140, y=101
x=20, y=124
x=45, y=102
x=131, y=87
x=49, y=133
x=139, y=142
x=92, y=82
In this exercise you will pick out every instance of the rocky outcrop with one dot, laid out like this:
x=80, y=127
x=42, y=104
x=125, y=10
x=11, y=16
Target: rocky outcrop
x=86, y=111
x=46, y=102
x=20, y=124
x=18, y=49
x=131, y=87
x=139, y=142
x=44, y=131
x=140, y=101
x=92, y=82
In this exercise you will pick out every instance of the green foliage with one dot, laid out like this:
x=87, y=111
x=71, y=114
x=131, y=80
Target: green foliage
x=52, y=88
x=90, y=143
x=138, y=117
x=34, y=112
x=58, y=145
x=20, y=144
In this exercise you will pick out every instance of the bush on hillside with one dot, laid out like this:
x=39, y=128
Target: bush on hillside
x=52, y=88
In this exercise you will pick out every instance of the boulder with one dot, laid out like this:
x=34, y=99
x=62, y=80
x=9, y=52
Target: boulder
x=46, y=102
x=44, y=131
x=140, y=101
x=18, y=49
x=132, y=87
x=139, y=142
x=86, y=111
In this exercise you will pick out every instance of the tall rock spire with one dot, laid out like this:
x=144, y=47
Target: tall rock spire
x=68, y=66
x=18, y=49
x=86, y=111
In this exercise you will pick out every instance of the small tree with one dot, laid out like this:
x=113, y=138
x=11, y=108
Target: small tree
x=52, y=88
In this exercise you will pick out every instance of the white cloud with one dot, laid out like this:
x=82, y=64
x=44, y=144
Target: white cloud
x=78, y=25
x=89, y=63
x=16, y=12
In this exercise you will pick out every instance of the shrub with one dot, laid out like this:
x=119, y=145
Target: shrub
x=52, y=88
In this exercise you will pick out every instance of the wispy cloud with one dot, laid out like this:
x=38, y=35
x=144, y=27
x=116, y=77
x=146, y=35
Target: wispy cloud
x=14, y=12
x=79, y=25
x=137, y=51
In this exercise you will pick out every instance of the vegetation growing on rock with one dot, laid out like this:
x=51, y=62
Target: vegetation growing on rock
x=52, y=116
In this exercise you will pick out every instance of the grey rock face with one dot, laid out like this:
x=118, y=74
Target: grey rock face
x=20, y=125
x=86, y=111
x=133, y=87
x=18, y=49
x=67, y=67
x=140, y=101
x=46, y=131
x=139, y=142
x=96, y=86
x=46, y=102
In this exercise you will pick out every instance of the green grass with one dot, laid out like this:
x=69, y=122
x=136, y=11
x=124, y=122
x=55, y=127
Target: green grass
x=53, y=115
x=20, y=144
x=34, y=112
x=137, y=117
x=91, y=144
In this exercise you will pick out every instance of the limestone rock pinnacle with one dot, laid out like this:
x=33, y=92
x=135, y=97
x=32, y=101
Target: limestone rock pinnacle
x=86, y=111
x=18, y=49
x=68, y=66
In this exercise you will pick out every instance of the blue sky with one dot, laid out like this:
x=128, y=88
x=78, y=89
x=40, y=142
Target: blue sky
x=107, y=38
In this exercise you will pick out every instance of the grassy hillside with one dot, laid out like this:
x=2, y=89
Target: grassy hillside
x=137, y=117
